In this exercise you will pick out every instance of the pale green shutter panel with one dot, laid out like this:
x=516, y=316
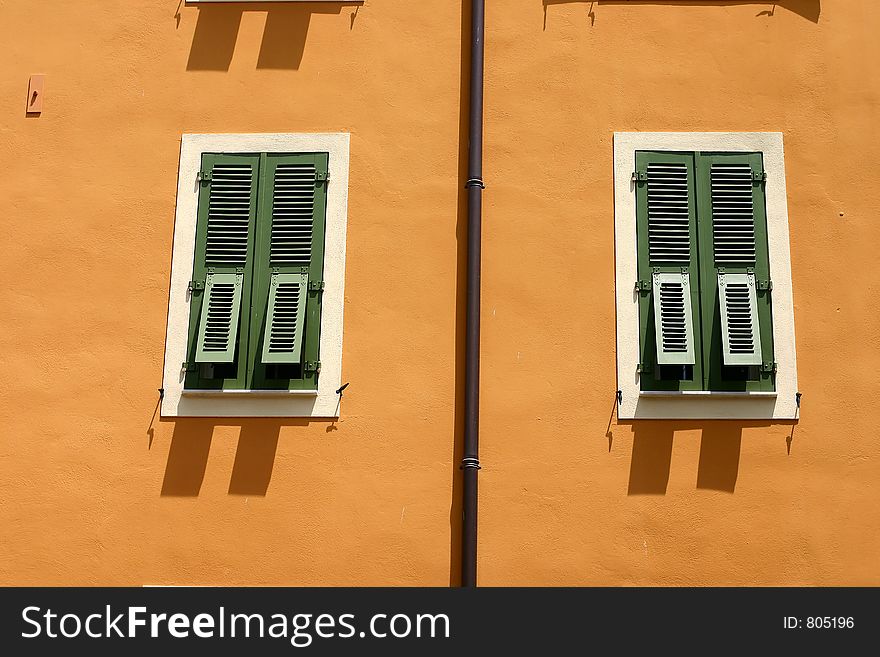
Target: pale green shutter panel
x=739, y=319
x=282, y=342
x=734, y=246
x=673, y=318
x=218, y=325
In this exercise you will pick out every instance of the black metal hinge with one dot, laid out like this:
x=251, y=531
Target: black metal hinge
x=189, y=367
x=639, y=176
x=316, y=286
x=196, y=286
x=312, y=366
x=769, y=368
x=204, y=177
x=643, y=286
x=759, y=176
x=322, y=176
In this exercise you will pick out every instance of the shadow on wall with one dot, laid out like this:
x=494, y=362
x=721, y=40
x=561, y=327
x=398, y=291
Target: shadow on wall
x=284, y=36
x=254, y=456
x=718, y=467
x=809, y=9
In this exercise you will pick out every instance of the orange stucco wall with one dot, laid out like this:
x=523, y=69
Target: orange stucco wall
x=96, y=488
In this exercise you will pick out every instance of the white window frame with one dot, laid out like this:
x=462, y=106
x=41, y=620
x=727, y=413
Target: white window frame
x=323, y=402
x=636, y=404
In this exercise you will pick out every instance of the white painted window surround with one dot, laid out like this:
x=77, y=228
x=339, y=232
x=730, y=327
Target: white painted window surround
x=323, y=402
x=634, y=404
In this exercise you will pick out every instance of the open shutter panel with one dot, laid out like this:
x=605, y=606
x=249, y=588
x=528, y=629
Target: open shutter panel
x=673, y=318
x=282, y=342
x=218, y=325
x=669, y=243
x=739, y=319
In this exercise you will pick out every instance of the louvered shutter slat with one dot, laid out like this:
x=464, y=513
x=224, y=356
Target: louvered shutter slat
x=739, y=319
x=218, y=326
x=282, y=342
x=673, y=319
x=669, y=229
x=733, y=214
x=229, y=213
x=293, y=202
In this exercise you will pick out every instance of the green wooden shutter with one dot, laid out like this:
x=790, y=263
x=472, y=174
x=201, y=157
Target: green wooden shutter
x=289, y=271
x=222, y=270
x=735, y=272
x=667, y=269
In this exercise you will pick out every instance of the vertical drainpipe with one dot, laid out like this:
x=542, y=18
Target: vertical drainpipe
x=470, y=463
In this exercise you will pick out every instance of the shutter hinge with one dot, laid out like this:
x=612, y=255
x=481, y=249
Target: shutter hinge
x=643, y=286
x=322, y=176
x=189, y=367
x=639, y=176
x=643, y=368
x=769, y=368
x=312, y=366
x=204, y=177
x=764, y=285
x=316, y=286
x=759, y=176
x=196, y=286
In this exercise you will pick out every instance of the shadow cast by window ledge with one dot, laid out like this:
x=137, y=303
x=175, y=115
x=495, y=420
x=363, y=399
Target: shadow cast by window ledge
x=809, y=9
x=719, y=458
x=254, y=460
x=284, y=34
x=720, y=448
x=254, y=457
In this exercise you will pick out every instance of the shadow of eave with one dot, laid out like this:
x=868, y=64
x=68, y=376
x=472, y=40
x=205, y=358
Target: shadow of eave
x=284, y=35
x=809, y=9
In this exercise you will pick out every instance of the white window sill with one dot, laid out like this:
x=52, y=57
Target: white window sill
x=249, y=393
x=704, y=393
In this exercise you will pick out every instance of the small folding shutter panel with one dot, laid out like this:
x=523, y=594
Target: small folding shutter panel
x=290, y=253
x=734, y=245
x=218, y=325
x=226, y=240
x=282, y=342
x=673, y=318
x=739, y=319
x=669, y=244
